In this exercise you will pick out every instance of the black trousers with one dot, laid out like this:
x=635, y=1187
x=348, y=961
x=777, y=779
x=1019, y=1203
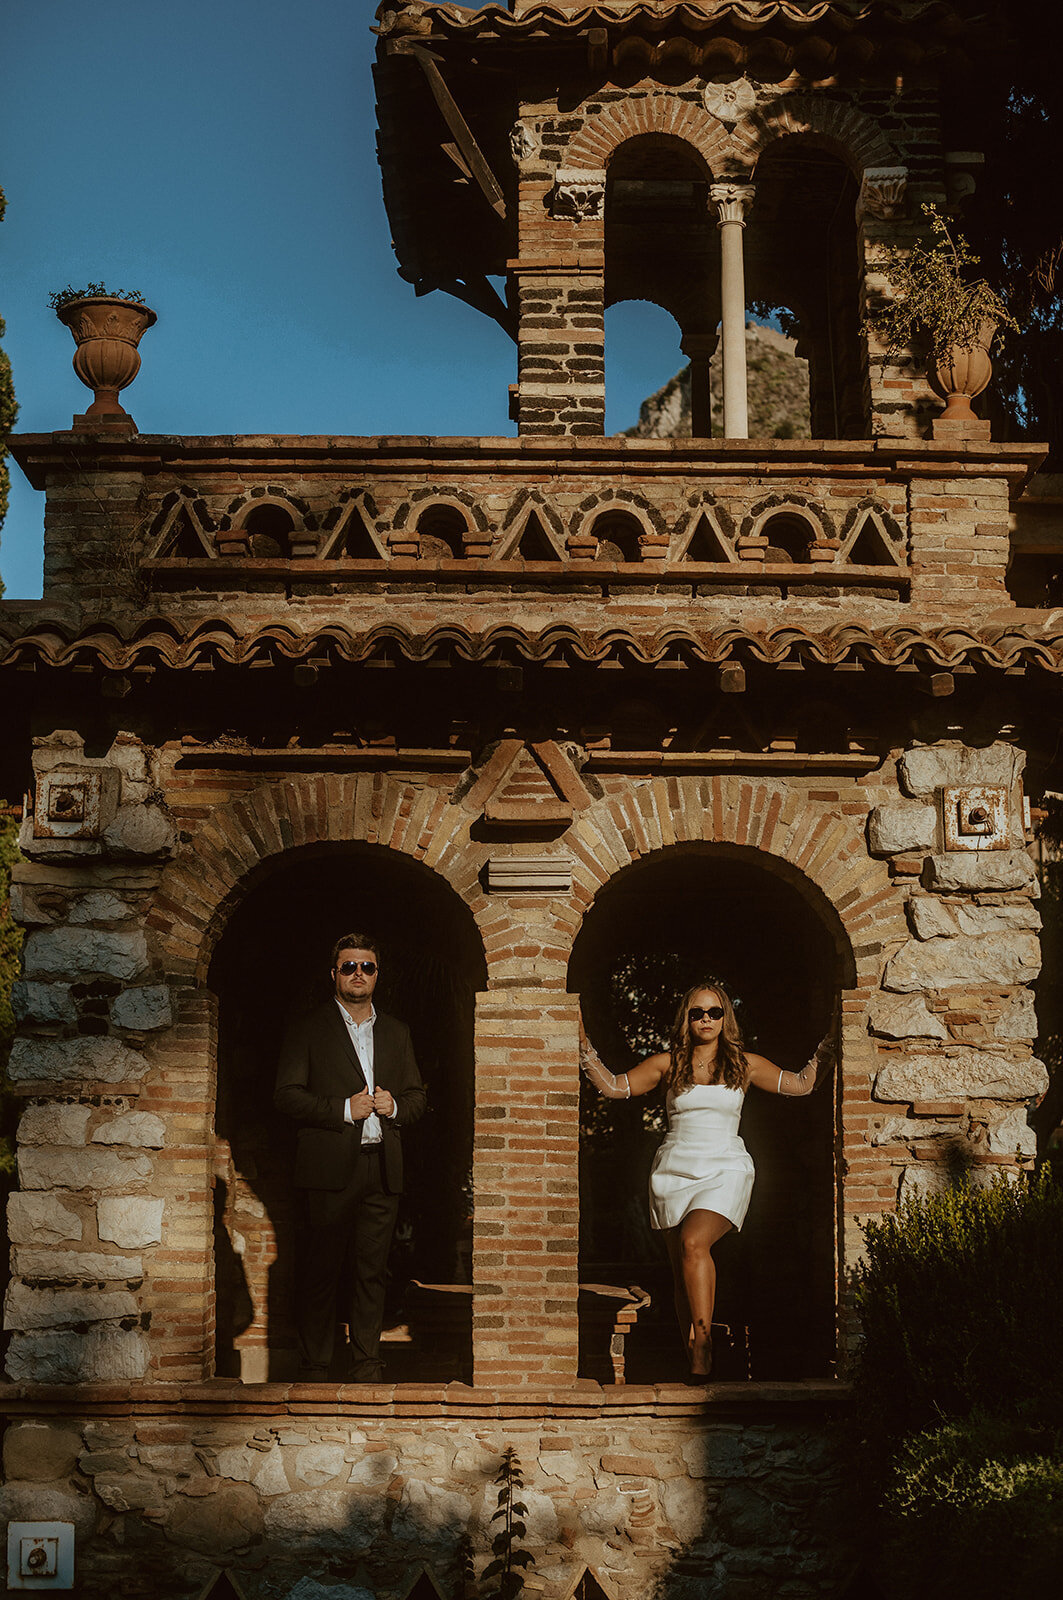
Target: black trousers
x=342, y=1270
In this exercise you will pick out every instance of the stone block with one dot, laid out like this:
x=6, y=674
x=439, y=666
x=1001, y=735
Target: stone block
x=48, y=1502
x=933, y=919
x=976, y=872
x=1012, y=1135
x=99, y=905
x=70, y=953
x=129, y=1491
x=338, y=1519
x=57, y=1168
x=430, y=1514
x=310, y=1589
x=991, y=958
x=895, y=1016
x=893, y=830
x=43, y=1004
x=140, y=830
x=218, y=1523
x=931, y=1177
x=54, y=1124
x=928, y=768
x=375, y=1470
x=105, y=1354
x=316, y=1464
x=130, y=1221
x=39, y=1451
x=139, y=1128
x=1019, y=1020
x=908, y=1129
x=960, y=1075
x=684, y=1503
x=143, y=1010
x=41, y=1219
x=82, y=1266
x=82, y=1060
x=26, y=1308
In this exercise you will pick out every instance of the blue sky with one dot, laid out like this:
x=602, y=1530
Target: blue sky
x=219, y=156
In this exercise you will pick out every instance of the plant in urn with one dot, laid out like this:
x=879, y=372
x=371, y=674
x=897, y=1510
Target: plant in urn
x=107, y=329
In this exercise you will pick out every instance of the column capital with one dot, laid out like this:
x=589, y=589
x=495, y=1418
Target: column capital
x=732, y=201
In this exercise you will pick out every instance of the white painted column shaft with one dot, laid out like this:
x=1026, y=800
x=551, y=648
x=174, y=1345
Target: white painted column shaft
x=731, y=201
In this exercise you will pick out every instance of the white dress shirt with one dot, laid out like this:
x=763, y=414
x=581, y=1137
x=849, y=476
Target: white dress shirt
x=361, y=1036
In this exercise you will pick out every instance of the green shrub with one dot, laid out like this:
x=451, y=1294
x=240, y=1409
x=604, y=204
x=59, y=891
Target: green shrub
x=961, y=1300
x=976, y=1508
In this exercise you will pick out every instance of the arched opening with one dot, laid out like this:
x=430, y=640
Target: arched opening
x=789, y=537
x=657, y=190
x=269, y=532
x=270, y=965
x=654, y=930
x=800, y=254
x=442, y=530
x=618, y=534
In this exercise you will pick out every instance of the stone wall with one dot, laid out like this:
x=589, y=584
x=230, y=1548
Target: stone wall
x=673, y=1502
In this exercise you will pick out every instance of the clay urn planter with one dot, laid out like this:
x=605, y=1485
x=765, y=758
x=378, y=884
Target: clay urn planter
x=963, y=372
x=107, y=331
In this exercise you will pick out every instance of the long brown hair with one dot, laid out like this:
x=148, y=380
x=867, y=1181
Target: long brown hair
x=731, y=1067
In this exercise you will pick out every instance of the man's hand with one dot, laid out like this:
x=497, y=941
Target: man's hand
x=361, y=1106
x=384, y=1102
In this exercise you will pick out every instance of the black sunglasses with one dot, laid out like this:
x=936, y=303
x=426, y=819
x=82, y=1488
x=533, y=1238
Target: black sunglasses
x=713, y=1013
x=368, y=967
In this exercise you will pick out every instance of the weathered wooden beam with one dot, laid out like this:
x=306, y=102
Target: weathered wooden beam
x=470, y=151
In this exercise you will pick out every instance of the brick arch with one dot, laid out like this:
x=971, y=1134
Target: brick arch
x=842, y=129
x=239, y=842
x=661, y=114
x=818, y=849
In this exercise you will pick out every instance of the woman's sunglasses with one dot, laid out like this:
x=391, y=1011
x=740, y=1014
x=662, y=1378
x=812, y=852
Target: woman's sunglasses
x=368, y=967
x=696, y=1013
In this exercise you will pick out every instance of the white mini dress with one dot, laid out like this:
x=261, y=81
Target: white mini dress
x=702, y=1164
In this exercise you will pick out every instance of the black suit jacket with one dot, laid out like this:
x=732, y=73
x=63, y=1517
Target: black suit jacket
x=318, y=1072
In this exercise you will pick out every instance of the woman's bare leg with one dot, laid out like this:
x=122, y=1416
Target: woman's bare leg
x=698, y=1232
x=682, y=1304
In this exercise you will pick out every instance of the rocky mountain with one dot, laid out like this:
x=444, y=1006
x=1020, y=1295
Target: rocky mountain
x=778, y=394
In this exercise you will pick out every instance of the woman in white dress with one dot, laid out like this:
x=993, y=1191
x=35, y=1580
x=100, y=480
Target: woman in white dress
x=702, y=1175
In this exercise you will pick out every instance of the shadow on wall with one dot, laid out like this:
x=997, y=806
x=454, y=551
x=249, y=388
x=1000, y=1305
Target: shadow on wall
x=270, y=965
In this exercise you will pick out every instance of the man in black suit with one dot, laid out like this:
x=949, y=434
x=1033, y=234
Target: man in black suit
x=348, y=1078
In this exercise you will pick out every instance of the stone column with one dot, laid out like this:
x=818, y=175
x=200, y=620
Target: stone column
x=699, y=349
x=731, y=201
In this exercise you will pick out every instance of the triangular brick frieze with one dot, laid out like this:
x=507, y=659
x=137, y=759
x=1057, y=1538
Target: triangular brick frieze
x=528, y=784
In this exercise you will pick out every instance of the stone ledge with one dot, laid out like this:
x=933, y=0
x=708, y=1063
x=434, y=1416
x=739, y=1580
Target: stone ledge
x=584, y=1400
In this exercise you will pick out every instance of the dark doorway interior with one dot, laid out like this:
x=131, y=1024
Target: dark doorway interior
x=652, y=932
x=271, y=964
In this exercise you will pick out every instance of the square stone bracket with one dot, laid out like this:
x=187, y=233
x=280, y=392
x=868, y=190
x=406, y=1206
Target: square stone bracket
x=40, y=1555
x=975, y=817
x=76, y=802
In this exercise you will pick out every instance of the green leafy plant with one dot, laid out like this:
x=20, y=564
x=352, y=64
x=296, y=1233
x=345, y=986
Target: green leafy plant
x=961, y=1297
x=92, y=291
x=958, y=1395
x=938, y=304
x=509, y=1562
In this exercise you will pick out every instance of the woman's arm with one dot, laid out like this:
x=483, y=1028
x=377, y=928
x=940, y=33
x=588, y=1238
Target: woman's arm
x=776, y=1080
x=622, y=1086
